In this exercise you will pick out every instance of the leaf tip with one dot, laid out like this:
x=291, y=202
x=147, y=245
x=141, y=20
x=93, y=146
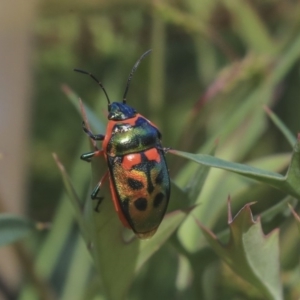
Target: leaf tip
x=229, y=213
x=294, y=213
x=59, y=164
x=267, y=109
x=66, y=89
x=205, y=229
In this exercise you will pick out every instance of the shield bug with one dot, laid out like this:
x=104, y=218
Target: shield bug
x=137, y=170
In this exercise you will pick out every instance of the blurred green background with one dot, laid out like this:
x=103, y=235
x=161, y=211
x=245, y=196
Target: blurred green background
x=192, y=42
x=208, y=56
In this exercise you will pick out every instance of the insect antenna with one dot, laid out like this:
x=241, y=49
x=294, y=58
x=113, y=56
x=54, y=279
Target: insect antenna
x=99, y=82
x=131, y=73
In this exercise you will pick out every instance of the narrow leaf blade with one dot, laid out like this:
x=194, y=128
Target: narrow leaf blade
x=269, y=177
x=14, y=228
x=281, y=126
x=296, y=216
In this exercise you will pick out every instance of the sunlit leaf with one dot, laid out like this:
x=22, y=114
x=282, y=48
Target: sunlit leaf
x=248, y=171
x=288, y=183
x=266, y=216
x=167, y=227
x=198, y=180
x=251, y=254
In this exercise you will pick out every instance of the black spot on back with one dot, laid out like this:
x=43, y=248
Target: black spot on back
x=160, y=177
x=141, y=204
x=146, y=166
x=158, y=200
x=135, y=184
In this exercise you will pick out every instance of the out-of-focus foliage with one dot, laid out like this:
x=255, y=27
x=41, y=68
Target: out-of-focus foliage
x=215, y=65
x=14, y=228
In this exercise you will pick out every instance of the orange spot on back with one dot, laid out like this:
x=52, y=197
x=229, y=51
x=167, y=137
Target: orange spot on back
x=152, y=154
x=131, y=160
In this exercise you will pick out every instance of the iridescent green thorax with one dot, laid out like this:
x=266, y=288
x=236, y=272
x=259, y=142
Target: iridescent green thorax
x=126, y=138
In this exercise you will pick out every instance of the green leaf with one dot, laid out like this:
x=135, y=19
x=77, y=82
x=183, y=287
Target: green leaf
x=168, y=226
x=78, y=272
x=281, y=126
x=14, y=228
x=250, y=27
x=291, y=183
x=248, y=171
x=288, y=183
x=91, y=116
x=243, y=190
x=251, y=254
x=74, y=198
x=296, y=216
x=179, y=199
x=277, y=210
x=198, y=180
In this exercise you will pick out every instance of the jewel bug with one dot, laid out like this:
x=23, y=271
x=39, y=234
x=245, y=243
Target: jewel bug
x=137, y=170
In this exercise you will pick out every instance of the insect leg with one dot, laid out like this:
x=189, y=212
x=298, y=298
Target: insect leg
x=95, y=137
x=96, y=191
x=87, y=156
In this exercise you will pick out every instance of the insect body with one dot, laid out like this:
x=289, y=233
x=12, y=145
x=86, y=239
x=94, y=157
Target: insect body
x=138, y=174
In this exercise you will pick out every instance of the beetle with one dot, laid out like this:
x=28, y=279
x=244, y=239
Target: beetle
x=137, y=170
